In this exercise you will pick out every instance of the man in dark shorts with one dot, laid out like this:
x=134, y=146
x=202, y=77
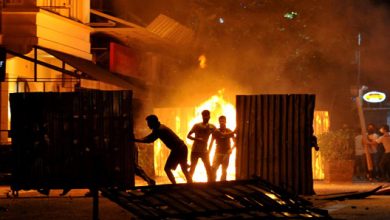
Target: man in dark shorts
x=222, y=137
x=199, y=149
x=178, y=149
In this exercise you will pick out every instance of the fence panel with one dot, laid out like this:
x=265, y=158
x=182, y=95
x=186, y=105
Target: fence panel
x=274, y=139
x=72, y=140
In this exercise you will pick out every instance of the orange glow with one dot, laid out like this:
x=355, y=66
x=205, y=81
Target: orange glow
x=218, y=106
x=181, y=121
x=320, y=125
x=202, y=61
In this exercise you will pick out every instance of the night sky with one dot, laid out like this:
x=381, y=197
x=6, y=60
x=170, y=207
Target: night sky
x=278, y=46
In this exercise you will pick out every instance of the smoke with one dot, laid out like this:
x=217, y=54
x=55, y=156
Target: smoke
x=268, y=47
x=278, y=46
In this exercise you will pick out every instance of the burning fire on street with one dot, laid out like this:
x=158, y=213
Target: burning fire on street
x=181, y=121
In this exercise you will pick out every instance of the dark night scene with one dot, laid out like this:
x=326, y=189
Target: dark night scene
x=194, y=109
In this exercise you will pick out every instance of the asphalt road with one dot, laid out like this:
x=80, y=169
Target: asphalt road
x=33, y=206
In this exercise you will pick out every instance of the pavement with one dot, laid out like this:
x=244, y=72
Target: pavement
x=32, y=205
x=374, y=207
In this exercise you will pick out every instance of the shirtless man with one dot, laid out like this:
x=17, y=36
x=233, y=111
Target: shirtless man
x=222, y=136
x=178, y=149
x=201, y=136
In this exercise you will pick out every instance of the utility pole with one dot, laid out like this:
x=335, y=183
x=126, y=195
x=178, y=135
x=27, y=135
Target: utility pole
x=359, y=105
x=359, y=42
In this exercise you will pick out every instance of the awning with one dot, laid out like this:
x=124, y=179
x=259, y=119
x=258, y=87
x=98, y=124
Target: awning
x=95, y=72
x=162, y=35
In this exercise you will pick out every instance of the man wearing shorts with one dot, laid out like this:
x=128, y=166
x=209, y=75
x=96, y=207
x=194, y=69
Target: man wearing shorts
x=178, y=149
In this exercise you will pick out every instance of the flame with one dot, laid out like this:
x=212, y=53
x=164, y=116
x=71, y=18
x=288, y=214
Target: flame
x=181, y=121
x=320, y=125
x=202, y=61
x=218, y=106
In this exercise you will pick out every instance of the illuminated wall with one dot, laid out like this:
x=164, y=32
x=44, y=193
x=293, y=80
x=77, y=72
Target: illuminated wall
x=321, y=125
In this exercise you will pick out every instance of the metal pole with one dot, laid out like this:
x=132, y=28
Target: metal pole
x=95, y=203
x=359, y=42
x=35, y=64
x=63, y=75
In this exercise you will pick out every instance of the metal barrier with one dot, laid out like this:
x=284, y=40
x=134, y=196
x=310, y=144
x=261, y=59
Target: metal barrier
x=243, y=199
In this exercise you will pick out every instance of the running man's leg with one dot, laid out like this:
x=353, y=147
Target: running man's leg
x=194, y=161
x=217, y=161
x=225, y=165
x=206, y=161
x=170, y=165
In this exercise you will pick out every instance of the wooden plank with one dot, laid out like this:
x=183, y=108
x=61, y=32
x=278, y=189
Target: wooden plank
x=62, y=38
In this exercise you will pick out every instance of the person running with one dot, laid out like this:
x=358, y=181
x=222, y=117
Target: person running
x=201, y=136
x=179, y=151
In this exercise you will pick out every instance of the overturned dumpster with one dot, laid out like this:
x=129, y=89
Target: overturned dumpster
x=241, y=199
x=71, y=140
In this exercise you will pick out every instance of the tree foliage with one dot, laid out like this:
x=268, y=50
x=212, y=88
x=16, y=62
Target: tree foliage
x=337, y=145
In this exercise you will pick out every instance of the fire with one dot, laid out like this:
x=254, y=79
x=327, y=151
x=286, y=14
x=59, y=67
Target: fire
x=218, y=106
x=202, y=61
x=181, y=121
x=320, y=125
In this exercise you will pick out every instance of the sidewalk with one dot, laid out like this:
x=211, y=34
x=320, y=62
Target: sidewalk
x=373, y=207
x=33, y=205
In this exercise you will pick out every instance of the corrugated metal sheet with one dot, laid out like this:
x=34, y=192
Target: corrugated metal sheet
x=171, y=30
x=245, y=199
x=274, y=138
x=72, y=140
